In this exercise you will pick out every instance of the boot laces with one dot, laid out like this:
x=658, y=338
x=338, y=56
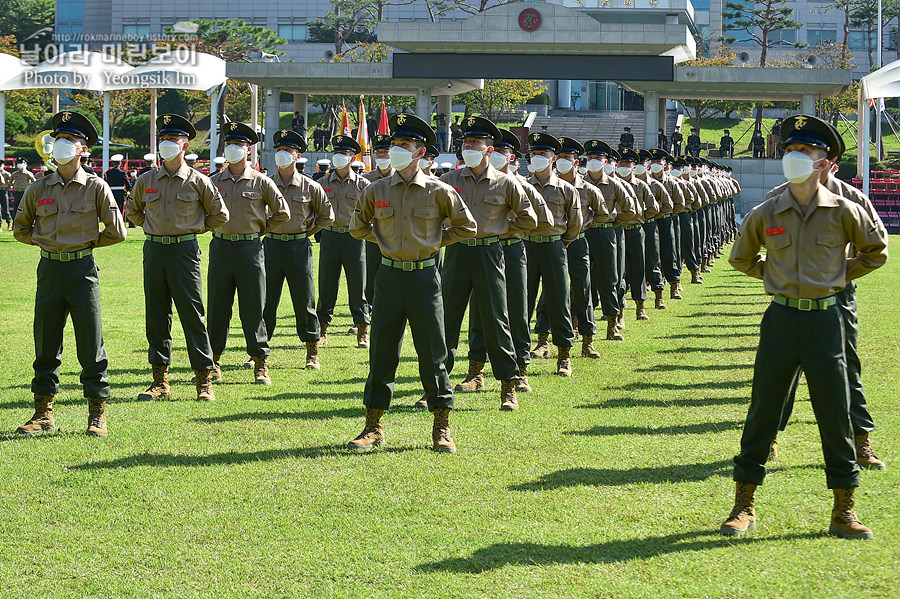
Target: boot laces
x=865, y=450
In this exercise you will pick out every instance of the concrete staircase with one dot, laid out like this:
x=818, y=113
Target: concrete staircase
x=604, y=125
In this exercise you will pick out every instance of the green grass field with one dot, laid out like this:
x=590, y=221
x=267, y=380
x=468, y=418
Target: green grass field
x=610, y=484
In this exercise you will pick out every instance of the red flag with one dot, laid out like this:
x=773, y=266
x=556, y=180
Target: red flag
x=345, y=123
x=383, y=128
x=362, y=137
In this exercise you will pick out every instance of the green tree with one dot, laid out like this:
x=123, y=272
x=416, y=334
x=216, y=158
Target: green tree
x=30, y=21
x=702, y=107
x=500, y=96
x=865, y=17
x=846, y=7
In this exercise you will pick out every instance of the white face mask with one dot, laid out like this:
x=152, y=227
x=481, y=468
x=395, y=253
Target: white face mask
x=623, y=171
x=564, y=166
x=692, y=173
x=640, y=169
x=383, y=163
x=400, y=157
x=169, y=150
x=424, y=164
x=582, y=170
x=340, y=160
x=656, y=168
x=797, y=166
x=538, y=163
x=234, y=153
x=283, y=158
x=675, y=172
x=498, y=160
x=64, y=151
x=608, y=168
x=472, y=158
x=594, y=165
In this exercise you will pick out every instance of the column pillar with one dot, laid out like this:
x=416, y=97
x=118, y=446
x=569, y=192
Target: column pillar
x=301, y=105
x=808, y=104
x=254, y=121
x=423, y=105
x=273, y=97
x=662, y=118
x=444, y=106
x=564, y=93
x=651, y=118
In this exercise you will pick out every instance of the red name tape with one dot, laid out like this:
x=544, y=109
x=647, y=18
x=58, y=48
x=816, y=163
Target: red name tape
x=328, y=190
x=150, y=190
x=458, y=189
x=775, y=231
x=381, y=204
x=45, y=201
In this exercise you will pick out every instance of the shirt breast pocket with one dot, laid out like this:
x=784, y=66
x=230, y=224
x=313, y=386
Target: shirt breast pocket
x=425, y=220
x=187, y=205
x=495, y=199
x=150, y=197
x=383, y=218
x=85, y=218
x=776, y=243
x=252, y=195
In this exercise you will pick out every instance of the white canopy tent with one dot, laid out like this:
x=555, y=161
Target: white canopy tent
x=883, y=83
x=12, y=68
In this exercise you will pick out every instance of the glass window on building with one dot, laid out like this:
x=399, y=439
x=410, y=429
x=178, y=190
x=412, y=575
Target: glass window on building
x=293, y=33
x=814, y=37
x=858, y=40
x=729, y=21
x=136, y=31
x=70, y=11
x=701, y=5
x=783, y=35
x=890, y=41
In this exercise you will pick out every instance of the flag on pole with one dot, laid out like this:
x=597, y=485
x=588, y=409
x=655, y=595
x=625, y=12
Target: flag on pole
x=383, y=127
x=362, y=137
x=345, y=123
x=880, y=101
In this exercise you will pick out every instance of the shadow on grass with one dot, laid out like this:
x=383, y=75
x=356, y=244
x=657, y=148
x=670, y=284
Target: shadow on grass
x=703, y=428
x=608, y=477
x=692, y=402
x=357, y=412
x=535, y=554
x=683, y=387
x=708, y=336
x=678, y=367
x=717, y=315
x=712, y=350
x=736, y=325
x=168, y=460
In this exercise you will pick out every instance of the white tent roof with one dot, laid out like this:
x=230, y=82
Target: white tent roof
x=883, y=83
x=11, y=67
x=181, y=69
x=71, y=70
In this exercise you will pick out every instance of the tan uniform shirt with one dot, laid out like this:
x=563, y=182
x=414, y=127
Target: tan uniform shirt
x=63, y=217
x=620, y=203
x=676, y=194
x=247, y=197
x=376, y=173
x=805, y=254
x=712, y=194
x=700, y=197
x=539, y=204
x=309, y=206
x=179, y=203
x=648, y=207
x=663, y=199
x=406, y=219
x=4, y=179
x=20, y=180
x=343, y=194
x=565, y=205
x=497, y=201
x=593, y=204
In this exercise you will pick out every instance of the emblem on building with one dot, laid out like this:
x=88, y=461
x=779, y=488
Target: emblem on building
x=529, y=19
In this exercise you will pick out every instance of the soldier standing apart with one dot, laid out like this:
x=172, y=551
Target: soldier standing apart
x=651, y=228
x=626, y=140
x=607, y=240
x=338, y=248
x=236, y=259
x=662, y=140
x=805, y=231
x=59, y=214
x=546, y=250
x=404, y=214
x=677, y=140
x=475, y=268
x=118, y=182
x=288, y=249
x=381, y=145
x=635, y=251
x=19, y=181
x=593, y=212
x=174, y=203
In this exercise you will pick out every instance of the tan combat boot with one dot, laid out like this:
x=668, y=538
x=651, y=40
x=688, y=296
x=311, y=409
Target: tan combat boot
x=96, y=417
x=217, y=368
x=440, y=432
x=612, y=331
x=743, y=514
x=204, y=385
x=620, y=320
x=844, y=522
x=659, y=304
x=323, y=338
x=704, y=265
x=542, y=349
x=248, y=364
x=372, y=435
x=312, y=355
x=522, y=385
x=42, y=421
x=575, y=325
x=865, y=457
x=773, y=452
x=508, y=400
x=696, y=279
x=587, y=348
x=563, y=361
x=159, y=388
x=675, y=290
x=362, y=335
x=261, y=371
x=639, y=312
x=474, y=381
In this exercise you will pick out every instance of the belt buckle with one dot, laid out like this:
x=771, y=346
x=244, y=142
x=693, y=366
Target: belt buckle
x=165, y=240
x=408, y=266
x=808, y=304
x=65, y=257
x=235, y=237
